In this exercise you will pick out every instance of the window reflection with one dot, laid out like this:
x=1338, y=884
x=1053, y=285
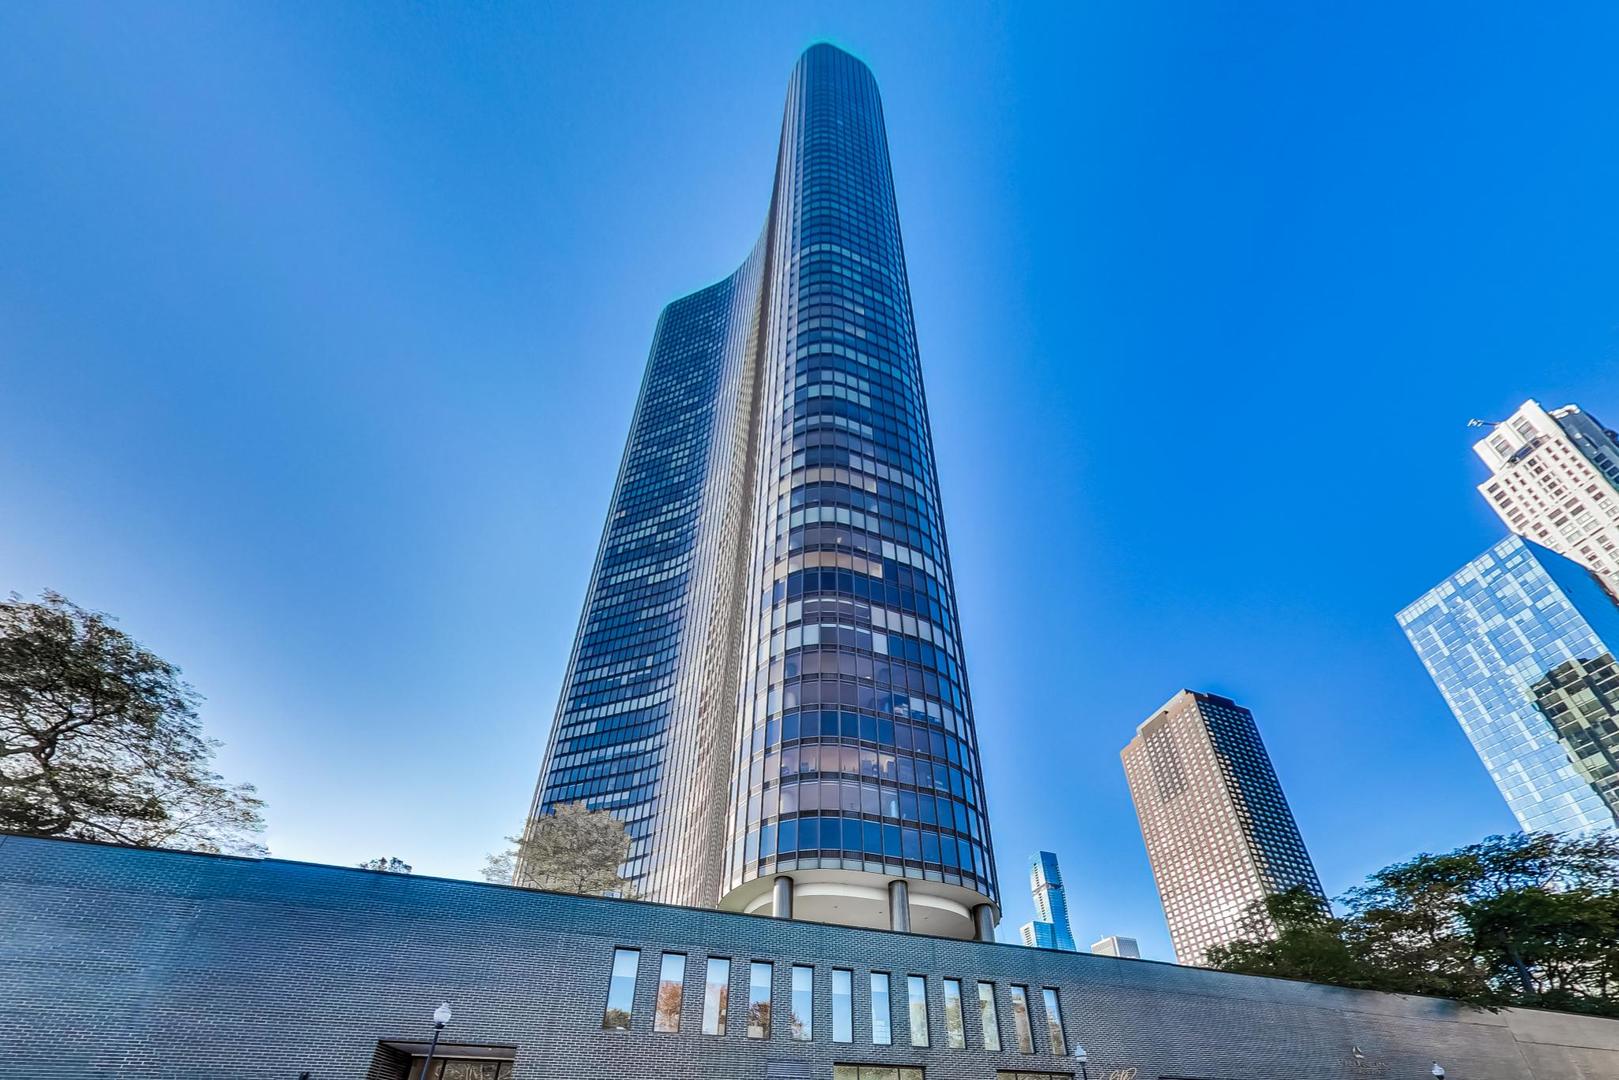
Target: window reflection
x=881, y=1010
x=1059, y=1046
x=671, y=989
x=955, y=1030
x=986, y=1016
x=801, y=1021
x=916, y=992
x=842, y=1005
x=716, y=996
x=621, y=990
x=1020, y=1020
x=759, y=1000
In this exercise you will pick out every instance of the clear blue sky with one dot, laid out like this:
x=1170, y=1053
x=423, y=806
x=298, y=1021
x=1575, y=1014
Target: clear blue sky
x=321, y=324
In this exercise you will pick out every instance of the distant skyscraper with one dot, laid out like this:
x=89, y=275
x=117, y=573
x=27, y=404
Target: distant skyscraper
x=1521, y=642
x=1050, y=928
x=1218, y=829
x=1114, y=945
x=1554, y=479
x=768, y=684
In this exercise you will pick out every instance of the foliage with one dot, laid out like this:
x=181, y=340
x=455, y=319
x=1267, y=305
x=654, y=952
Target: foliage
x=1528, y=919
x=99, y=739
x=389, y=865
x=572, y=849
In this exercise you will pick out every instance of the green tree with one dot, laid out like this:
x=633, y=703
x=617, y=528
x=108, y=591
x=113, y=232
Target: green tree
x=571, y=849
x=390, y=864
x=99, y=739
x=1528, y=919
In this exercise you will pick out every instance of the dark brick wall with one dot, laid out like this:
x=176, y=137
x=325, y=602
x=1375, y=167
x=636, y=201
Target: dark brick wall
x=130, y=963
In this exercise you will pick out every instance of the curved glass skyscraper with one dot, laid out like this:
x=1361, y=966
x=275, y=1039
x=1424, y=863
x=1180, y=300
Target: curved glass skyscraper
x=768, y=684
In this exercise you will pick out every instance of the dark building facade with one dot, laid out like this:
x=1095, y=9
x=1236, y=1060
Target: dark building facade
x=1219, y=833
x=128, y=963
x=768, y=683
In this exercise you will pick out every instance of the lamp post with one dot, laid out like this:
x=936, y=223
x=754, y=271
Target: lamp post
x=1438, y=1071
x=441, y=1016
x=1082, y=1057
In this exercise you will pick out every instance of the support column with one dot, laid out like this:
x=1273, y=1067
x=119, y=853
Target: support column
x=782, y=901
x=984, y=922
x=899, y=906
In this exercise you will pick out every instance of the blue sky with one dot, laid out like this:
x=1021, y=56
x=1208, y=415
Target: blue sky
x=321, y=325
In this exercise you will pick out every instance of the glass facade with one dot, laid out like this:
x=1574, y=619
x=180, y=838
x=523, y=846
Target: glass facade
x=1050, y=928
x=769, y=676
x=1520, y=642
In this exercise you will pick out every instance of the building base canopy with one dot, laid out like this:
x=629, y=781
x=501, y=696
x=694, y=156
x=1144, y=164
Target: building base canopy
x=857, y=898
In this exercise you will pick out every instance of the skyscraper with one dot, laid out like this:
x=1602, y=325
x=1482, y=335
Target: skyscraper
x=1050, y=928
x=768, y=683
x=1554, y=479
x=1113, y=945
x=1520, y=642
x=1218, y=829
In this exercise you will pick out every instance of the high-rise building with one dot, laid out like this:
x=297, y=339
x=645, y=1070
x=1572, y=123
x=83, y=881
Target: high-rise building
x=1219, y=833
x=1521, y=642
x=768, y=684
x=1113, y=945
x=1050, y=928
x=1554, y=479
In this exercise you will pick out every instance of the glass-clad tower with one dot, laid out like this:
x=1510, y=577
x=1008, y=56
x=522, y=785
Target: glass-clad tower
x=1520, y=642
x=768, y=684
x=1050, y=928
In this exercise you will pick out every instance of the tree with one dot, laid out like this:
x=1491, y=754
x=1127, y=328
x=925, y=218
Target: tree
x=1528, y=919
x=571, y=849
x=389, y=865
x=99, y=739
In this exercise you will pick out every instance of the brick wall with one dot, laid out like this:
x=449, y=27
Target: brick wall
x=117, y=962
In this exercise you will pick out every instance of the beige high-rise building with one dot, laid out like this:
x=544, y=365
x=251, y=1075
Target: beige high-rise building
x=1218, y=829
x=1554, y=479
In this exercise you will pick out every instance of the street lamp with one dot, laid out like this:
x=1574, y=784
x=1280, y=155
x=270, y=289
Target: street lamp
x=441, y=1016
x=1438, y=1071
x=1081, y=1057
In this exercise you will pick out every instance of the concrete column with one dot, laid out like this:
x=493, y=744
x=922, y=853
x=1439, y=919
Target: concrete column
x=984, y=922
x=899, y=906
x=782, y=905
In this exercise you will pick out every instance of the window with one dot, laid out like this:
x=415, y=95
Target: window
x=1020, y=1020
x=671, y=989
x=759, y=1000
x=1007, y=1074
x=716, y=996
x=916, y=992
x=462, y=1069
x=842, y=1005
x=1059, y=1046
x=874, y=1072
x=801, y=1020
x=882, y=1029
x=986, y=1016
x=621, y=990
x=955, y=1031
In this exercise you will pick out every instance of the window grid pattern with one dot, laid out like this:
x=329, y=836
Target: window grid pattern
x=857, y=749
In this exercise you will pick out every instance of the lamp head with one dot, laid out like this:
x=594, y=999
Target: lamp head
x=441, y=1015
x=1079, y=1053
x=1438, y=1071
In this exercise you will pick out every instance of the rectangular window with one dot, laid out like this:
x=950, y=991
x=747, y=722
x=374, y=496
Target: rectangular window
x=716, y=996
x=1059, y=1046
x=759, y=1000
x=986, y=1016
x=671, y=989
x=916, y=989
x=882, y=1016
x=621, y=990
x=1007, y=1074
x=1020, y=1020
x=875, y=1072
x=955, y=1030
x=801, y=1020
x=842, y=1005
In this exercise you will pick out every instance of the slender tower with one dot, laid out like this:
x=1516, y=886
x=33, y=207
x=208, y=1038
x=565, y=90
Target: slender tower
x=768, y=684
